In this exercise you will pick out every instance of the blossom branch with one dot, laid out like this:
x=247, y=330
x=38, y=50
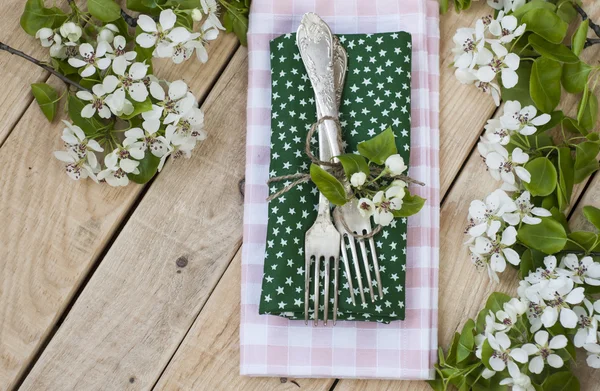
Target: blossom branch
x=130, y=20
x=591, y=41
x=37, y=62
x=584, y=16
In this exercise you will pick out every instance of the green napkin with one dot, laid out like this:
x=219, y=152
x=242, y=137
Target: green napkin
x=376, y=96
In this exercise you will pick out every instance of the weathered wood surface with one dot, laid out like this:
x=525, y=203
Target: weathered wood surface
x=53, y=229
x=142, y=322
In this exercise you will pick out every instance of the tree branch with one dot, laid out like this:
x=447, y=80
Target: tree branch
x=584, y=16
x=37, y=62
x=591, y=41
x=130, y=20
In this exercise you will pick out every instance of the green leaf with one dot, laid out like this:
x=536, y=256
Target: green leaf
x=575, y=77
x=148, y=167
x=236, y=20
x=138, y=108
x=451, y=356
x=328, y=185
x=549, y=236
x=520, y=91
x=380, y=147
x=554, y=51
x=466, y=341
x=566, y=177
x=36, y=16
x=584, y=240
x=560, y=217
x=411, y=205
x=104, y=10
x=144, y=6
x=586, y=162
x=543, y=177
x=546, y=24
x=545, y=83
x=353, y=163
x=526, y=265
x=561, y=381
x=88, y=125
x=486, y=353
x=572, y=126
x=580, y=36
x=535, y=4
x=47, y=98
x=480, y=324
x=592, y=214
x=443, y=6
x=566, y=11
x=588, y=112
x=496, y=301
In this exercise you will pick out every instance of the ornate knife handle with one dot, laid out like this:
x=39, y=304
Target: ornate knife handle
x=316, y=45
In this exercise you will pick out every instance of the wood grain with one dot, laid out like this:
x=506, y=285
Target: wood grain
x=135, y=310
x=54, y=229
x=17, y=74
x=209, y=358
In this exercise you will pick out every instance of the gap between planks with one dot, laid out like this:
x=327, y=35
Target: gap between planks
x=139, y=197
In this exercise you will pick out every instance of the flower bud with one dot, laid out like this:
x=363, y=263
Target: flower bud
x=71, y=31
x=196, y=14
x=107, y=34
x=395, y=164
x=358, y=179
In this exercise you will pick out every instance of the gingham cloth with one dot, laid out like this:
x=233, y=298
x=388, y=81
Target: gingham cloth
x=275, y=346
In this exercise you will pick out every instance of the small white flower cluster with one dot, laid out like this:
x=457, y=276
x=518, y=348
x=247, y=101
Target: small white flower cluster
x=384, y=202
x=492, y=230
x=172, y=127
x=482, y=53
x=547, y=296
x=63, y=41
x=179, y=43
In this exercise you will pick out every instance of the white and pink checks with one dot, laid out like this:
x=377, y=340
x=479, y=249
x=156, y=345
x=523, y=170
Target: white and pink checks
x=275, y=346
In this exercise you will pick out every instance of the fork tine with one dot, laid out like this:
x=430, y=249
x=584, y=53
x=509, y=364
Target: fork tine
x=363, y=250
x=336, y=278
x=347, y=269
x=376, y=266
x=326, y=293
x=317, y=276
x=306, y=285
x=356, y=267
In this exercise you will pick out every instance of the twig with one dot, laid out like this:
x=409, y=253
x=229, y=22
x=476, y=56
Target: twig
x=37, y=62
x=584, y=16
x=130, y=20
x=591, y=41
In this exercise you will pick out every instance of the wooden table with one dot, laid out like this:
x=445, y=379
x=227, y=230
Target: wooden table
x=138, y=288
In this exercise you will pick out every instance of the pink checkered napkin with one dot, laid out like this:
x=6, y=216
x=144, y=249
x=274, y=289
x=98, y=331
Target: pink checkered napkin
x=275, y=346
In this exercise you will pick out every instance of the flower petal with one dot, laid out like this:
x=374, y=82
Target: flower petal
x=147, y=24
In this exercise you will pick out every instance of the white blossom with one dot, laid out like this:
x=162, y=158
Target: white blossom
x=593, y=351
x=503, y=354
x=107, y=33
x=395, y=164
x=97, y=102
x=485, y=217
x=581, y=271
x=71, y=31
x=523, y=120
x=387, y=202
x=499, y=251
x=120, y=162
x=149, y=138
x=587, y=324
x=77, y=143
x=504, y=63
x=211, y=9
x=505, y=27
x=127, y=79
x=91, y=58
x=163, y=35
x=544, y=351
x=518, y=380
x=118, y=103
x=470, y=50
x=76, y=168
x=557, y=301
x=173, y=105
x=119, y=50
x=366, y=207
x=358, y=179
x=526, y=212
x=508, y=316
x=504, y=166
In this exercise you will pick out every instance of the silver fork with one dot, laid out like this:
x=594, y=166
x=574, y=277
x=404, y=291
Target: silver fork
x=316, y=43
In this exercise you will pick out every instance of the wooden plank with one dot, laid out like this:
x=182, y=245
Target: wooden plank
x=58, y=227
x=17, y=74
x=209, y=357
x=459, y=123
x=141, y=301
